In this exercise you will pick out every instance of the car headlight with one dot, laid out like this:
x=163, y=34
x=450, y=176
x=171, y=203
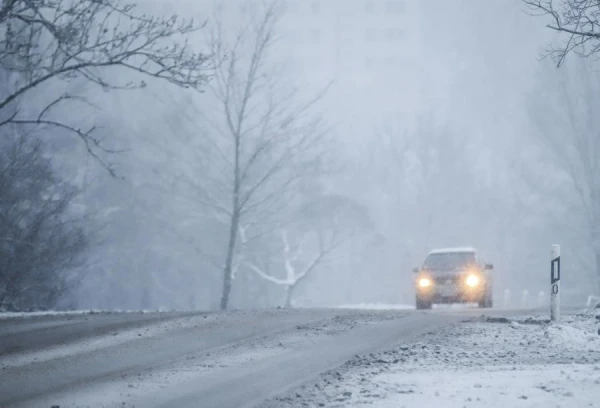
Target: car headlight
x=472, y=280
x=424, y=282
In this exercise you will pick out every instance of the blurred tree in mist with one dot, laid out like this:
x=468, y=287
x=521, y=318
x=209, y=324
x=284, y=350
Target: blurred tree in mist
x=431, y=184
x=565, y=141
x=565, y=144
x=258, y=144
x=434, y=179
x=40, y=241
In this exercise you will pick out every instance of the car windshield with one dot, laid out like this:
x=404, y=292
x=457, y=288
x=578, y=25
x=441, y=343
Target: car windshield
x=449, y=260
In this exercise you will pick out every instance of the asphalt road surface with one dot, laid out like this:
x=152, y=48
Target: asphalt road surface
x=235, y=359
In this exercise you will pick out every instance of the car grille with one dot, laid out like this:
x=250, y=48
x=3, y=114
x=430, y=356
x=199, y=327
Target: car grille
x=441, y=280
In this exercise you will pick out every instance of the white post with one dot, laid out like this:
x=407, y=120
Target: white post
x=506, y=297
x=555, y=283
x=524, y=298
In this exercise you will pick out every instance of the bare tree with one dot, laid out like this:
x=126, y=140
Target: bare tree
x=260, y=144
x=39, y=242
x=569, y=150
x=577, y=20
x=45, y=41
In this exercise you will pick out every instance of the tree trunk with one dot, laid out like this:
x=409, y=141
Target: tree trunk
x=597, y=283
x=289, y=295
x=233, y=231
x=146, y=300
x=595, y=245
x=192, y=303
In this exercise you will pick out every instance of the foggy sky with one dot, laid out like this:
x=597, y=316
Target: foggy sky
x=467, y=65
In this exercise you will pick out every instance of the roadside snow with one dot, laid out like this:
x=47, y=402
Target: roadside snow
x=493, y=387
x=89, y=344
x=59, y=313
x=12, y=315
x=491, y=362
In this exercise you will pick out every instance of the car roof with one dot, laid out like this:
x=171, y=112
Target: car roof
x=452, y=250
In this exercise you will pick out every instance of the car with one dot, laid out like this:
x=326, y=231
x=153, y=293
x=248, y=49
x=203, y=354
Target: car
x=453, y=275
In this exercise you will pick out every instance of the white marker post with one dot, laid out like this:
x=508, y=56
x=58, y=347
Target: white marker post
x=524, y=298
x=506, y=297
x=555, y=283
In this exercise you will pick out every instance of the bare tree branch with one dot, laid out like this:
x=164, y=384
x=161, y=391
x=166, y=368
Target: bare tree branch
x=60, y=40
x=579, y=20
x=84, y=135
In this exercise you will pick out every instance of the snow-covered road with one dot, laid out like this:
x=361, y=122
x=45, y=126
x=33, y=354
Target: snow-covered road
x=234, y=359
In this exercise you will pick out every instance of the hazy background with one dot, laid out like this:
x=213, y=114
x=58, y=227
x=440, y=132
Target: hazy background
x=433, y=110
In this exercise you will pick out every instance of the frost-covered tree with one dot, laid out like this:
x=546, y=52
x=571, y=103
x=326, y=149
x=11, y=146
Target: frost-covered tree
x=318, y=229
x=297, y=264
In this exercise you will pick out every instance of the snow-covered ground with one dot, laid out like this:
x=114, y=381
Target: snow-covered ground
x=483, y=362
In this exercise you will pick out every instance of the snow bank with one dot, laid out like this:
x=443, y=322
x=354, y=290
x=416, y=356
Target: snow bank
x=9, y=315
x=494, y=387
x=593, y=301
x=492, y=362
x=58, y=313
